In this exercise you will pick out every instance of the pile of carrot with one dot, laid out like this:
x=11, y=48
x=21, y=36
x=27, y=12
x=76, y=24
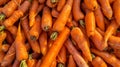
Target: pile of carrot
x=59, y=33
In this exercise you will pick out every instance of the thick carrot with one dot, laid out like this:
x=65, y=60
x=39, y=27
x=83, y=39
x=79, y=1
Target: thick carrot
x=5, y=47
x=54, y=63
x=9, y=37
x=90, y=23
x=91, y=4
x=106, y=8
x=46, y=19
x=60, y=5
x=43, y=43
x=16, y=63
x=2, y=54
x=110, y=59
x=21, y=51
x=78, y=36
x=98, y=62
x=99, y=18
x=76, y=11
x=17, y=14
x=35, y=29
x=116, y=10
x=2, y=38
x=33, y=12
x=71, y=62
x=51, y=3
x=54, y=13
x=33, y=43
x=42, y=1
x=12, y=30
x=76, y=55
x=57, y=45
x=31, y=62
x=2, y=2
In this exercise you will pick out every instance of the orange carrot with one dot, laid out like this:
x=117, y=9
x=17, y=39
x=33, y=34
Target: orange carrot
x=2, y=54
x=21, y=51
x=77, y=13
x=106, y=8
x=76, y=55
x=51, y=3
x=42, y=1
x=35, y=55
x=110, y=59
x=33, y=12
x=99, y=18
x=84, y=8
x=38, y=63
x=5, y=47
x=35, y=29
x=2, y=2
x=16, y=63
x=90, y=23
x=71, y=62
x=60, y=5
x=9, y=37
x=78, y=36
x=91, y=4
x=33, y=43
x=116, y=10
x=98, y=62
x=43, y=43
x=2, y=38
x=117, y=52
x=107, y=23
x=40, y=7
x=46, y=19
x=12, y=30
x=54, y=63
x=111, y=1
x=100, y=31
x=31, y=62
x=54, y=13
x=57, y=45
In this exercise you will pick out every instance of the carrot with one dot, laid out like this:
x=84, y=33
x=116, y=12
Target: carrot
x=17, y=14
x=12, y=30
x=33, y=12
x=99, y=18
x=54, y=63
x=38, y=63
x=40, y=8
x=62, y=56
x=90, y=23
x=107, y=23
x=106, y=8
x=2, y=54
x=35, y=29
x=9, y=57
x=76, y=11
x=100, y=31
x=54, y=13
x=35, y=55
x=43, y=43
x=76, y=55
x=80, y=39
x=31, y=62
x=57, y=45
x=46, y=19
x=9, y=37
x=71, y=62
x=116, y=10
x=111, y=1
x=84, y=8
x=16, y=63
x=117, y=52
x=27, y=46
x=33, y=43
x=5, y=47
x=51, y=3
x=2, y=38
x=60, y=5
x=91, y=4
x=42, y=1
x=21, y=51
x=2, y=2
x=110, y=59
x=50, y=42
x=98, y=62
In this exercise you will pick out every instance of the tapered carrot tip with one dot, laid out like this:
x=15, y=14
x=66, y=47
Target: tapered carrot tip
x=2, y=28
x=33, y=38
x=54, y=1
x=54, y=35
x=82, y=23
x=46, y=28
x=61, y=65
x=2, y=17
x=23, y=63
x=93, y=56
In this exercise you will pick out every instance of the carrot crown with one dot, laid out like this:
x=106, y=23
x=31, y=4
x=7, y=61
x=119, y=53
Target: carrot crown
x=2, y=17
x=82, y=23
x=2, y=28
x=54, y=1
x=61, y=65
x=54, y=35
x=23, y=63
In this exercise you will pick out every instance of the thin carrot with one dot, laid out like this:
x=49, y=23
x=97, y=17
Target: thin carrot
x=5, y=47
x=91, y=4
x=78, y=36
x=2, y=54
x=46, y=19
x=71, y=62
x=76, y=11
x=54, y=13
x=90, y=23
x=33, y=12
x=51, y=3
x=106, y=8
x=60, y=5
x=110, y=59
x=2, y=2
x=33, y=43
x=98, y=62
x=43, y=43
x=116, y=10
x=31, y=62
x=57, y=45
x=35, y=29
x=76, y=55
x=16, y=63
x=42, y=1
x=9, y=37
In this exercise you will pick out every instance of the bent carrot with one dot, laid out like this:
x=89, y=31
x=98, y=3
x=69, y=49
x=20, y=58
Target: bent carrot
x=78, y=36
x=16, y=63
x=33, y=12
x=35, y=29
x=110, y=59
x=76, y=55
x=57, y=45
x=76, y=11
x=46, y=19
x=71, y=62
x=60, y=5
x=43, y=43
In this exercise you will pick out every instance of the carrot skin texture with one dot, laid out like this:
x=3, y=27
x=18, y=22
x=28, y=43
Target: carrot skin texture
x=16, y=63
x=71, y=62
x=54, y=13
x=31, y=62
x=2, y=54
x=9, y=37
x=57, y=45
x=60, y=5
